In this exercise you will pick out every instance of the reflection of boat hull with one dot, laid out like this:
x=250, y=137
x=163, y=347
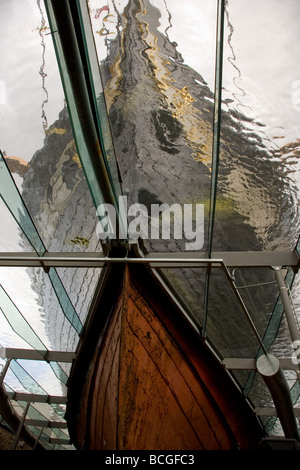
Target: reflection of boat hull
x=150, y=381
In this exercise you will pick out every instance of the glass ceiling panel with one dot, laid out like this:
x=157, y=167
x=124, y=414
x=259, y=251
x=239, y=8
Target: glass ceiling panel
x=17, y=283
x=44, y=412
x=62, y=322
x=189, y=285
x=36, y=136
x=14, y=239
x=28, y=383
x=37, y=377
x=159, y=99
x=228, y=324
x=18, y=322
x=259, y=167
x=14, y=202
x=40, y=411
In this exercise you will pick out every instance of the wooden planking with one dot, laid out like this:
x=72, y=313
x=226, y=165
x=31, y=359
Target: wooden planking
x=162, y=404
x=152, y=384
x=104, y=393
x=96, y=421
x=240, y=417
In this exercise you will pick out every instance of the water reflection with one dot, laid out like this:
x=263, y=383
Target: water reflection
x=258, y=73
x=161, y=111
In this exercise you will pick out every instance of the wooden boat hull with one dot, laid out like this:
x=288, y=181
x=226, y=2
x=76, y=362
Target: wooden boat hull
x=149, y=382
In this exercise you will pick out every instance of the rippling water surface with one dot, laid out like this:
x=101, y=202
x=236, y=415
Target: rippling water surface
x=158, y=67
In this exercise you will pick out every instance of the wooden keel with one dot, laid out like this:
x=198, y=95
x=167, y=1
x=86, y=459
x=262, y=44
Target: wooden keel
x=151, y=383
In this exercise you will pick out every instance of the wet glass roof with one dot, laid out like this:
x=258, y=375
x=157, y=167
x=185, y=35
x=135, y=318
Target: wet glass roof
x=153, y=102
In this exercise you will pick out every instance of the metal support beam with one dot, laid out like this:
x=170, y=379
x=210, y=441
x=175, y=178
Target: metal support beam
x=38, y=438
x=36, y=398
x=241, y=259
x=237, y=363
x=57, y=441
x=33, y=355
x=287, y=305
x=271, y=411
x=216, y=120
x=269, y=368
x=21, y=424
x=258, y=259
x=4, y=370
x=44, y=423
x=289, y=314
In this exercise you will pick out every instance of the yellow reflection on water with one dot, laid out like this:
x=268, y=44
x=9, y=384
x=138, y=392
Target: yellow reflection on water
x=179, y=100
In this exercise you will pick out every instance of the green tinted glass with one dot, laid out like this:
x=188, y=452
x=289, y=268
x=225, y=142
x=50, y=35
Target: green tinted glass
x=18, y=322
x=12, y=198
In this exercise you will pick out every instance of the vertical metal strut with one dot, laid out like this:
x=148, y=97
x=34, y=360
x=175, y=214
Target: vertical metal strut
x=216, y=142
x=287, y=305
